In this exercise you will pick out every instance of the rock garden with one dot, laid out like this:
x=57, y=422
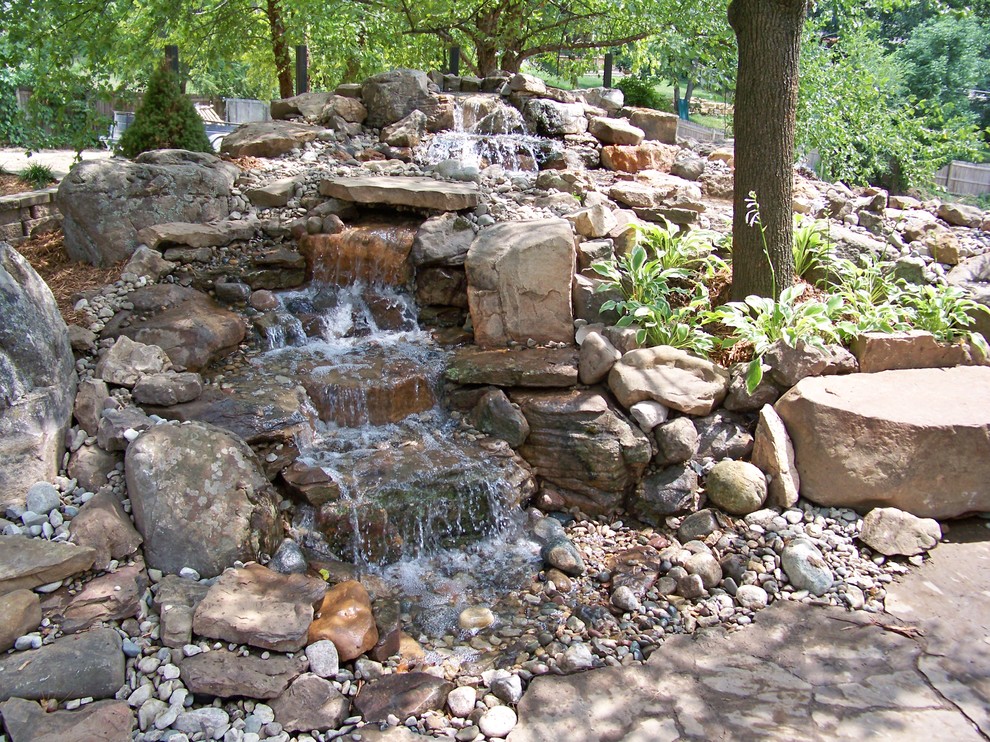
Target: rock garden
x=428, y=388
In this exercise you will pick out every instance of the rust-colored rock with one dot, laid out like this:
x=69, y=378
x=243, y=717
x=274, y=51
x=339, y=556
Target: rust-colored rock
x=634, y=158
x=879, y=351
x=345, y=618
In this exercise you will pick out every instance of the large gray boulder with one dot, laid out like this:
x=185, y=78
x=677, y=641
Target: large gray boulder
x=552, y=119
x=37, y=378
x=390, y=96
x=106, y=202
x=519, y=283
x=267, y=138
x=913, y=439
x=199, y=499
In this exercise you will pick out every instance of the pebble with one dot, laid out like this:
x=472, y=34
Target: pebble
x=497, y=722
x=476, y=617
x=42, y=498
x=324, y=660
x=461, y=701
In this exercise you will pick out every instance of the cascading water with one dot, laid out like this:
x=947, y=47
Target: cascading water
x=487, y=131
x=393, y=485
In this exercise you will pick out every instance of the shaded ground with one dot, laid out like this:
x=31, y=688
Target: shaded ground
x=13, y=160
x=803, y=673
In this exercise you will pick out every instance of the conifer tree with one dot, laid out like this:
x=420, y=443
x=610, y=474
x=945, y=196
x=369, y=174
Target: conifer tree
x=166, y=119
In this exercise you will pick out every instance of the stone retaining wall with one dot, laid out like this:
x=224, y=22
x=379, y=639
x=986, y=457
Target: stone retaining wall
x=22, y=213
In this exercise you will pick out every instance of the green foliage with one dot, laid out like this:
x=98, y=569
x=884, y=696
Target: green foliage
x=870, y=298
x=689, y=251
x=811, y=247
x=946, y=313
x=38, y=175
x=166, y=119
x=641, y=92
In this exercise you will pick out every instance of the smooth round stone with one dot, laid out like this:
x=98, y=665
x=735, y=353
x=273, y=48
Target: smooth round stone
x=323, y=658
x=497, y=721
x=752, y=597
x=476, y=617
x=461, y=701
x=625, y=599
x=42, y=498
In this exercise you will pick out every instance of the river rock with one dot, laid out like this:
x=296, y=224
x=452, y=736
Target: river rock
x=310, y=703
x=519, y=283
x=168, y=388
x=105, y=203
x=698, y=526
x=443, y=241
x=390, y=96
x=20, y=614
x=199, y=499
x=671, y=376
x=84, y=665
x=88, y=406
x=345, y=618
x=805, y=567
x=893, y=532
x=581, y=444
x=187, y=324
x=266, y=139
x=773, y=453
x=677, y=441
x=127, y=361
x=789, y=365
x=102, y=525
x=668, y=492
x=226, y=674
x=402, y=695
x=495, y=415
x=548, y=118
x=256, y=606
x=658, y=126
x=929, y=459
x=497, y=722
x=737, y=487
x=29, y=562
x=596, y=358
x=724, y=435
x=110, y=597
x=103, y=721
x=37, y=379
x=561, y=553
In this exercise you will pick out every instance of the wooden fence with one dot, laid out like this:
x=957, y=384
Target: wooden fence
x=691, y=130
x=964, y=178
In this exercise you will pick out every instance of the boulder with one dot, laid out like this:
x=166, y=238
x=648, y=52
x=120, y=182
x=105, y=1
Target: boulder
x=102, y=525
x=881, y=351
x=308, y=105
x=773, y=453
x=272, y=195
x=912, y=439
x=688, y=165
x=168, y=389
x=495, y=415
x=788, y=365
x=105, y=203
x=443, y=241
x=199, y=499
x=893, y=532
x=84, y=665
x=596, y=358
x=20, y=614
x=127, y=361
x=310, y=703
x=523, y=83
x=341, y=108
x=519, y=283
x=225, y=674
x=671, y=376
x=267, y=139
x=724, y=435
x=960, y=215
x=614, y=131
x=175, y=601
x=659, y=126
x=103, y=721
x=413, y=192
x=27, y=563
x=390, y=96
x=549, y=118
x=91, y=465
x=256, y=606
x=677, y=441
x=113, y=434
x=973, y=274
x=144, y=263
x=671, y=491
x=595, y=221
x=635, y=158
x=37, y=379
x=737, y=487
x=579, y=443
x=609, y=99
x=111, y=597
x=345, y=618
x=406, y=132
x=531, y=367
x=184, y=234
x=402, y=695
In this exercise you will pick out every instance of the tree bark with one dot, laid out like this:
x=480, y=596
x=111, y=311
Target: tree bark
x=280, y=49
x=768, y=33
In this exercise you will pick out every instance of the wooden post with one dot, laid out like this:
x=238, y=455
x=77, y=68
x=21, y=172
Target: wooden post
x=172, y=57
x=302, y=69
x=607, y=77
x=455, y=60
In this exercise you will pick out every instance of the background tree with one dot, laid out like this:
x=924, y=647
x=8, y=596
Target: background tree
x=166, y=119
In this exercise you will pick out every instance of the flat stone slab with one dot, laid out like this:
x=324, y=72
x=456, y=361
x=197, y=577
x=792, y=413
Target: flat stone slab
x=103, y=721
x=915, y=439
x=90, y=664
x=800, y=673
x=537, y=367
x=226, y=674
x=417, y=193
x=30, y=562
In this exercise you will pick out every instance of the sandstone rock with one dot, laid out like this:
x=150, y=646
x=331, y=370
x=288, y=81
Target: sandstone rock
x=90, y=664
x=609, y=99
x=615, y=131
x=310, y=703
x=519, y=283
x=523, y=83
x=740, y=399
x=596, y=221
x=20, y=614
x=113, y=430
x=149, y=264
x=656, y=125
x=37, y=379
x=789, y=365
x=127, y=361
x=414, y=192
x=596, y=358
x=878, y=351
x=103, y=526
x=407, y=132
x=688, y=165
x=922, y=458
x=29, y=562
x=187, y=324
x=442, y=240
x=176, y=601
x=805, y=566
x=226, y=674
x=402, y=695
x=308, y=105
x=495, y=415
x=345, y=618
x=636, y=158
x=194, y=235
x=549, y=118
x=893, y=532
x=737, y=487
x=773, y=453
x=107, y=202
x=199, y=498
x=960, y=215
x=273, y=195
x=343, y=108
x=677, y=441
x=167, y=389
x=256, y=606
x=110, y=597
x=580, y=443
x=103, y=721
x=91, y=465
x=668, y=492
x=267, y=139
x=671, y=376
x=390, y=96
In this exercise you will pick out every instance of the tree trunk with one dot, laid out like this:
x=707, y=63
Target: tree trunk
x=280, y=49
x=768, y=33
x=487, y=59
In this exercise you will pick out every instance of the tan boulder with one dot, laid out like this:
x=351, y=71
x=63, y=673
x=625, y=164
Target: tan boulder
x=913, y=439
x=20, y=613
x=670, y=376
x=634, y=158
x=880, y=351
x=660, y=126
x=345, y=618
x=773, y=453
